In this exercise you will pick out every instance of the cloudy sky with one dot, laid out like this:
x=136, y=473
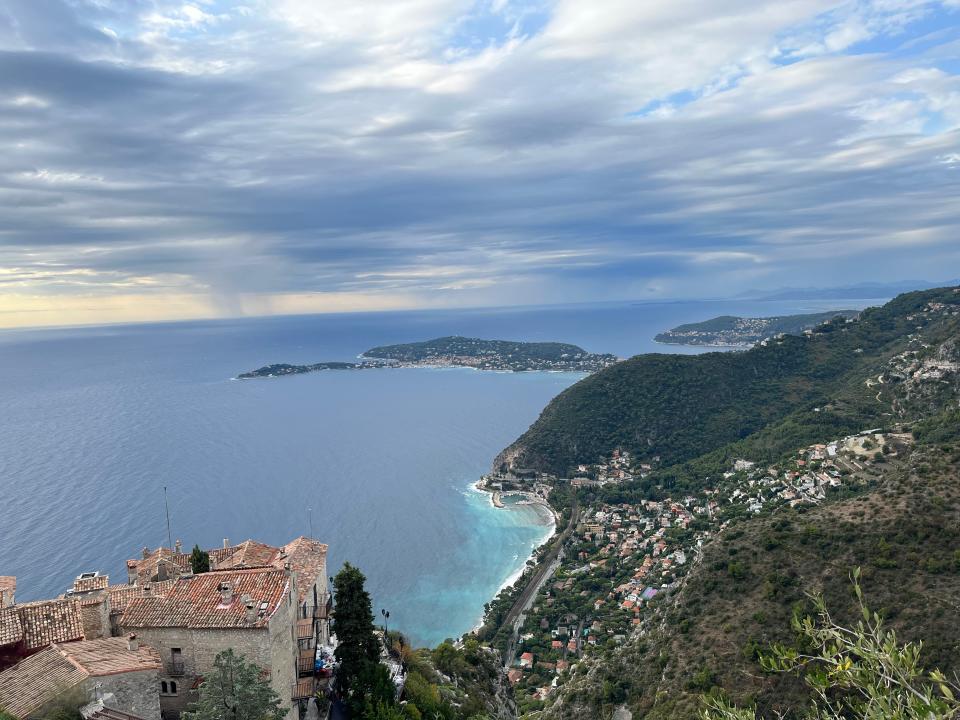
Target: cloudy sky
x=170, y=159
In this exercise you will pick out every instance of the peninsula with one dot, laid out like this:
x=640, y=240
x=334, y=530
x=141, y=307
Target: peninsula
x=731, y=331
x=457, y=351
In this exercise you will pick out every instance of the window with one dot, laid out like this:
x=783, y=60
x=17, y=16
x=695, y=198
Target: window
x=168, y=687
x=173, y=687
x=163, y=687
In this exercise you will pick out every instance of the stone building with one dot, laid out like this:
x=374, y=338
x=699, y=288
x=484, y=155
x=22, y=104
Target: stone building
x=270, y=604
x=304, y=557
x=252, y=611
x=121, y=670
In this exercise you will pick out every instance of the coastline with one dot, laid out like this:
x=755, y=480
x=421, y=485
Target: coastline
x=738, y=346
x=542, y=507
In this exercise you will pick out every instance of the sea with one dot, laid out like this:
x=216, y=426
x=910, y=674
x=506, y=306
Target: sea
x=100, y=425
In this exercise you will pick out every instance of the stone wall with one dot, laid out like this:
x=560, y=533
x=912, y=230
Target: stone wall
x=135, y=692
x=95, y=616
x=283, y=650
x=272, y=648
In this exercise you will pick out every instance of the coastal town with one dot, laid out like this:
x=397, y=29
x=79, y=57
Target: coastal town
x=459, y=352
x=623, y=556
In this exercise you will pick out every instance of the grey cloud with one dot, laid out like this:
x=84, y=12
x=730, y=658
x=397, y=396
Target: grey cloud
x=261, y=180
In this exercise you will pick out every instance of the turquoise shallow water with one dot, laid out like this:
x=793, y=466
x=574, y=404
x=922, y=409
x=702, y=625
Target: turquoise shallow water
x=97, y=421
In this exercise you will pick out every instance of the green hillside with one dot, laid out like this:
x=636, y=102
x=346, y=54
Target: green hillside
x=739, y=598
x=896, y=368
x=677, y=408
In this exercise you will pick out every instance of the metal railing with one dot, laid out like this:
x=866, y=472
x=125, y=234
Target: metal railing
x=320, y=611
x=175, y=668
x=306, y=628
x=303, y=689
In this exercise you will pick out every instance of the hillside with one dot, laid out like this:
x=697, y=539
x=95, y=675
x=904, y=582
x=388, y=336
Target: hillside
x=679, y=579
x=673, y=408
x=732, y=331
x=738, y=599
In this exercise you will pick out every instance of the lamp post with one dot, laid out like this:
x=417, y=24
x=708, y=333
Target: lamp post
x=386, y=619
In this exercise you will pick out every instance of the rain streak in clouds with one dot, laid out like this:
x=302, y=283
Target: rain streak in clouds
x=170, y=159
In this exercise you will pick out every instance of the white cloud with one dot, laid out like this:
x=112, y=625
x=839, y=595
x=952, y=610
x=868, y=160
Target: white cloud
x=292, y=147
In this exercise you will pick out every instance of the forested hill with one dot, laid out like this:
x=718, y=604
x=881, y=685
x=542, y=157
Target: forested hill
x=777, y=396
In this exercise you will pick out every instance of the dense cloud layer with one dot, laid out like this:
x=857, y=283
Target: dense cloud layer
x=167, y=159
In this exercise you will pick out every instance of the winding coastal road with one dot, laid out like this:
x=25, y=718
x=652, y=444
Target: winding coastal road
x=544, y=570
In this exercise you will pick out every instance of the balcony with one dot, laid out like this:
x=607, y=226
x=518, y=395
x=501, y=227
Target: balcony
x=306, y=661
x=175, y=668
x=320, y=611
x=305, y=628
x=303, y=689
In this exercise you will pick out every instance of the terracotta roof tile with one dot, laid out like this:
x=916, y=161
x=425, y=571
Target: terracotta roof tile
x=32, y=683
x=50, y=621
x=162, y=563
x=11, y=629
x=218, y=555
x=197, y=601
x=250, y=554
x=110, y=656
x=308, y=559
x=87, y=584
x=121, y=595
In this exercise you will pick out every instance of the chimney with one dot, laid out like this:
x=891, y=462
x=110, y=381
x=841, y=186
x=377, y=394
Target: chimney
x=226, y=593
x=132, y=643
x=178, y=546
x=145, y=552
x=226, y=543
x=250, y=608
x=8, y=590
x=146, y=590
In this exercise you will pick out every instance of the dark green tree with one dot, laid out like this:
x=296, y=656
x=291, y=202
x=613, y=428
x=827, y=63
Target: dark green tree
x=358, y=649
x=235, y=690
x=199, y=560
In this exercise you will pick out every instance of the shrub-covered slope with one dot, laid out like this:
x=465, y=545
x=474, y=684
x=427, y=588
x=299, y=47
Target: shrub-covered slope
x=904, y=533
x=681, y=407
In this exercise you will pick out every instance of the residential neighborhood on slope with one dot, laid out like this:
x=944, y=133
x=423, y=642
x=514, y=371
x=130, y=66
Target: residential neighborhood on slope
x=623, y=556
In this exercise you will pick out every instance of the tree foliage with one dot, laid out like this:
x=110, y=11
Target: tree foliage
x=199, y=560
x=776, y=397
x=358, y=651
x=235, y=690
x=859, y=672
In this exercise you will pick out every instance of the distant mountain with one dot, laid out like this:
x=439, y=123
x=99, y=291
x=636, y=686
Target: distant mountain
x=858, y=291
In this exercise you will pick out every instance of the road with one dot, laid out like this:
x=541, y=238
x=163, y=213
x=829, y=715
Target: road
x=545, y=568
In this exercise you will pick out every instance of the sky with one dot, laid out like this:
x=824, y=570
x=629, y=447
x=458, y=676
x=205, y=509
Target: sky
x=166, y=160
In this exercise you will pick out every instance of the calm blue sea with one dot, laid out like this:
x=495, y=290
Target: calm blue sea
x=94, y=422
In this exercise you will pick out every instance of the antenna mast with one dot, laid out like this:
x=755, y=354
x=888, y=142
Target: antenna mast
x=166, y=505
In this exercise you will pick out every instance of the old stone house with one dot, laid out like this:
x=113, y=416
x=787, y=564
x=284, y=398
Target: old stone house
x=251, y=611
x=303, y=556
x=116, y=668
